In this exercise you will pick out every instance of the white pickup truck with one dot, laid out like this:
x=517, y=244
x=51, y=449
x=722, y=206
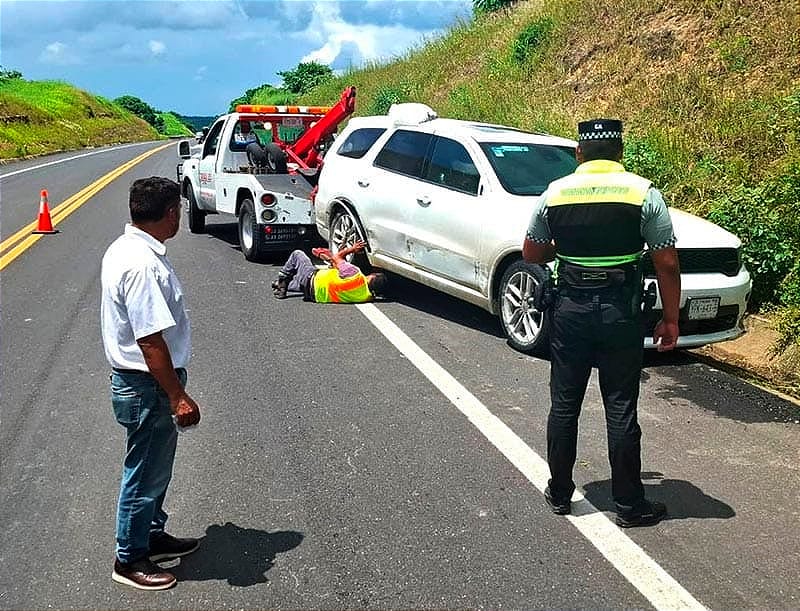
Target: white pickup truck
x=260, y=164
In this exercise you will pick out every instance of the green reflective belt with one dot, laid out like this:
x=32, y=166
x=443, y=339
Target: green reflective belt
x=613, y=261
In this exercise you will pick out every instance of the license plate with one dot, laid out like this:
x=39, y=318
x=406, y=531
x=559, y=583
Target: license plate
x=292, y=122
x=703, y=308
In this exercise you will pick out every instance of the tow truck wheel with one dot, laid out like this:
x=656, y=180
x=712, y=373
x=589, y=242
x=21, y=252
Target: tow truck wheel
x=345, y=231
x=525, y=327
x=249, y=236
x=276, y=158
x=197, y=218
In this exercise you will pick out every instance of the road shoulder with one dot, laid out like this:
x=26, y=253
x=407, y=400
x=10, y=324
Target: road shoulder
x=751, y=357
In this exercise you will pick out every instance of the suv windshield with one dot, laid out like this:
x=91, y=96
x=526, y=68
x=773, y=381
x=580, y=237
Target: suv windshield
x=525, y=168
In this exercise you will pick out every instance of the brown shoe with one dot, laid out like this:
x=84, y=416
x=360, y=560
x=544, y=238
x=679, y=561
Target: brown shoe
x=143, y=574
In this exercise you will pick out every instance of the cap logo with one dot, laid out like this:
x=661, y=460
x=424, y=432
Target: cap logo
x=598, y=126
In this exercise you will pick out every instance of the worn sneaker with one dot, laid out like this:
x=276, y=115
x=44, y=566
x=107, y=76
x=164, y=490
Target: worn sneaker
x=165, y=547
x=279, y=288
x=559, y=507
x=653, y=513
x=143, y=574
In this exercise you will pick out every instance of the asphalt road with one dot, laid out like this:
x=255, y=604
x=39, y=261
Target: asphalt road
x=364, y=457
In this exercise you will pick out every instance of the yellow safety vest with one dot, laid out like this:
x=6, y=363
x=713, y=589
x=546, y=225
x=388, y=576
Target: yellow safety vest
x=595, y=214
x=330, y=288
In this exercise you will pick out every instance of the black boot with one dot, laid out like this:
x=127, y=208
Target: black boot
x=279, y=288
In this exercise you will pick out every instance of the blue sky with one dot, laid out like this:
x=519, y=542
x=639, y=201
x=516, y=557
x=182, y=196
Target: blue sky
x=195, y=56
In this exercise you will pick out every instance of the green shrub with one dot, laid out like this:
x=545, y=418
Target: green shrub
x=532, y=39
x=790, y=287
x=646, y=156
x=385, y=97
x=787, y=324
x=461, y=102
x=735, y=52
x=765, y=217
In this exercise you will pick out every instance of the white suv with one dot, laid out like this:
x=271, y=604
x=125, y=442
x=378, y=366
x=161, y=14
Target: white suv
x=447, y=203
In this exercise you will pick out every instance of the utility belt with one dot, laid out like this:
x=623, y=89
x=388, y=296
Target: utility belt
x=622, y=283
x=308, y=287
x=573, y=277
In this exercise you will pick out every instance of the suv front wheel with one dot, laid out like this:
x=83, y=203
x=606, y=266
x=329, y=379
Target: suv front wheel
x=525, y=327
x=345, y=231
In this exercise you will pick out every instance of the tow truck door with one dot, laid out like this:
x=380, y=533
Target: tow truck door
x=208, y=166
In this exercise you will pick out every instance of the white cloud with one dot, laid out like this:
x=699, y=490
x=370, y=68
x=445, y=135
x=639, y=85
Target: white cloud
x=157, y=47
x=58, y=54
x=216, y=48
x=331, y=33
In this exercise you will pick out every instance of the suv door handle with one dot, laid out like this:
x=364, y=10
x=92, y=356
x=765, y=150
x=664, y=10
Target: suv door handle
x=424, y=201
x=363, y=182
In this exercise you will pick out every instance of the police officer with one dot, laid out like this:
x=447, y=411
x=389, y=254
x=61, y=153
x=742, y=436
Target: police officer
x=595, y=223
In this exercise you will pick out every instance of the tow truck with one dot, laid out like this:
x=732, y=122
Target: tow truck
x=260, y=163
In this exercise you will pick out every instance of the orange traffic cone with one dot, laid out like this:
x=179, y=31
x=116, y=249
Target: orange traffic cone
x=45, y=222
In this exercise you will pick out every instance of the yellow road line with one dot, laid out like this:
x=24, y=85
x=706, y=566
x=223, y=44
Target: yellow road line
x=23, y=239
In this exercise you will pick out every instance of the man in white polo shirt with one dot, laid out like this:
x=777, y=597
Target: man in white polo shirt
x=147, y=341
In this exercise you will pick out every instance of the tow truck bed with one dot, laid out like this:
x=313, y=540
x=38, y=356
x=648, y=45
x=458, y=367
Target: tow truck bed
x=296, y=184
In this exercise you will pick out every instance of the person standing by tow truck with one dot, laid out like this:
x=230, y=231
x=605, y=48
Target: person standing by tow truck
x=595, y=223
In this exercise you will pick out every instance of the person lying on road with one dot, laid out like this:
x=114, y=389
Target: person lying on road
x=342, y=282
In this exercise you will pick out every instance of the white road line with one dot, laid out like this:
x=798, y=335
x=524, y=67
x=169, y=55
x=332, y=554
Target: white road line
x=655, y=584
x=44, y=165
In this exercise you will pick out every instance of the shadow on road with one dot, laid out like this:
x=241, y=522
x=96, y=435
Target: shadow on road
x=241, y=556
x=428, y=300
x=228, y=232
x=683, y=499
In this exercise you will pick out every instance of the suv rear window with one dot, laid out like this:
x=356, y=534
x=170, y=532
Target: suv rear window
x=452, y=167
x=359, y=142
x=404, y=152
x=525, y=168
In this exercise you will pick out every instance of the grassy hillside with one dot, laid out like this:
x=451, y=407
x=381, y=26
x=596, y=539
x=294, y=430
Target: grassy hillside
x=39, y=117
x=197, y=122
x=709, y=91
x=173, y=126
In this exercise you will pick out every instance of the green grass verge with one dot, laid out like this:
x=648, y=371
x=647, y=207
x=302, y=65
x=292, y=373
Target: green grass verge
x=38, y=117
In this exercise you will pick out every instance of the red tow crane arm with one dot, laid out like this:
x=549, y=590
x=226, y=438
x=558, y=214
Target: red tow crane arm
x=304, y=151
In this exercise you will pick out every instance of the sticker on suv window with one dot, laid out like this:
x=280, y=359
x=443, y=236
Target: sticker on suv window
x=500, y=151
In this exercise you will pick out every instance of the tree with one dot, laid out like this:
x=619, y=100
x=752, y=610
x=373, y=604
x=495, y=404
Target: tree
x=306, y=76
x=141, y=109
x=264, y=94
x=7, y=75
x=488, y=6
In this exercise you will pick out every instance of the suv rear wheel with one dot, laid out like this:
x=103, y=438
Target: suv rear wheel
x=525, y=327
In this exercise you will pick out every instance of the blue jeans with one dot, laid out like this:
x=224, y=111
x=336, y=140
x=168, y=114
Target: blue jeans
x=142, y=407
